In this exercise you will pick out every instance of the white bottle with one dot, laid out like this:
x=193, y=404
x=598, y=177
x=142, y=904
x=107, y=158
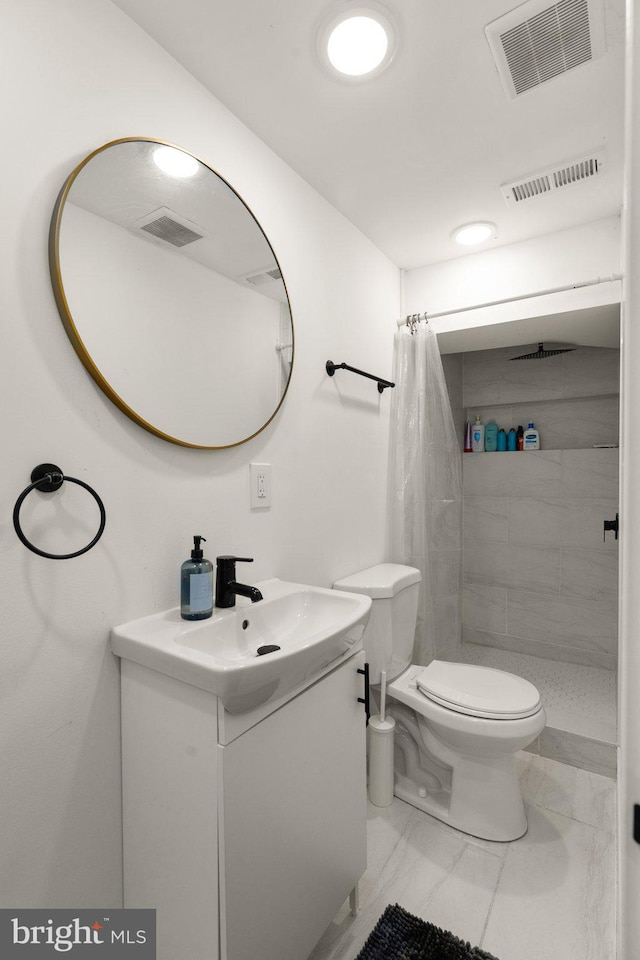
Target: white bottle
x=477, y=436
x=531, y=438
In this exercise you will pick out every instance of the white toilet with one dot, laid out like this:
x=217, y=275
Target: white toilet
x=458, y=726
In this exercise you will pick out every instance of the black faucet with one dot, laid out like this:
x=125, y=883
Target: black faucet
x=226, y=585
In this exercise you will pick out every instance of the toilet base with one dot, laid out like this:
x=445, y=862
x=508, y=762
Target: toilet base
x=458, y=767
x=483, y=803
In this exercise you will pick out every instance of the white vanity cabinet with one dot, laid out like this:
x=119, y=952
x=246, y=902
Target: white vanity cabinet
x=246, y=832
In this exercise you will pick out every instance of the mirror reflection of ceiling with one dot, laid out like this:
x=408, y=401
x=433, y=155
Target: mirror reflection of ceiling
x=127, y=188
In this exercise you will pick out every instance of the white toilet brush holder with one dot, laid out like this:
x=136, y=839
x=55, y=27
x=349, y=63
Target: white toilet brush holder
x=381, y=779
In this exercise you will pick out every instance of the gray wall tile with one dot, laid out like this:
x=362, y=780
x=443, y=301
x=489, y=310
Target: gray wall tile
x=515, y=566
x=578, y=751
x=589, y=574
x=559, y=522
x=504, y=381
x=484, y=608
x=571, y=424
x=447, y=616
x=535, y=521
x=590, y=473
x=591, y=370
x=485, y=518
x=591, y=624
x=532, y=474
x=538, y=648
x=533, y=524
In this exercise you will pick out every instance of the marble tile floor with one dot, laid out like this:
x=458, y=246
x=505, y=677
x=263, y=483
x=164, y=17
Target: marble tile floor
x=548, y=896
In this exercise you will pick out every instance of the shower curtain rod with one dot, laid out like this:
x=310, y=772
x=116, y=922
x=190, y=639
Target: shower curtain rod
x=417, y=317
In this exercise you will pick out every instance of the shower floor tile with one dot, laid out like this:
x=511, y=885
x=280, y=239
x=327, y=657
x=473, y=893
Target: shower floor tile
x=577, y=699
x=548, y=895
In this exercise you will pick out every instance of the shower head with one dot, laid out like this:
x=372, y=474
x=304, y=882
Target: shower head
x=541, y=353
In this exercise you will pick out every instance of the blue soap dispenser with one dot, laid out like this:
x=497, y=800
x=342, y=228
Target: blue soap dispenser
x=196, y=585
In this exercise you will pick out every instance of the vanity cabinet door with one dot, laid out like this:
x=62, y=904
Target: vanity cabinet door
x=293, y=820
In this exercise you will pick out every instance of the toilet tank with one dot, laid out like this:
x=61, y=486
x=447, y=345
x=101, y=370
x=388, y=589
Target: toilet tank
x=388, y=636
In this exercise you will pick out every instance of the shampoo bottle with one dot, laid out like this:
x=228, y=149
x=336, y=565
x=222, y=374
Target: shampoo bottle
x=512, y=440
x=520, y=438
x=491, y=436
x=531, y=438
x=196, y=585
x=477, y=436
x=502, y=440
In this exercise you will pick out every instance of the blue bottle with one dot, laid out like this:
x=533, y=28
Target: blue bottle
x=196, y=585
x=502, y=440
x=512, y=440
x=491, y=436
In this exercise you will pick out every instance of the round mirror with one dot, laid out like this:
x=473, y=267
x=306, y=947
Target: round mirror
x=171, y=294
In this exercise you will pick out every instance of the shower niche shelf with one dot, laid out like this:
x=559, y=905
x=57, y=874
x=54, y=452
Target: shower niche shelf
x=564, y=423
x=582, y=423
x=596, y=449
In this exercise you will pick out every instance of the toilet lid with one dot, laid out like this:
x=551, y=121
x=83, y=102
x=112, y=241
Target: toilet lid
x=479, y=691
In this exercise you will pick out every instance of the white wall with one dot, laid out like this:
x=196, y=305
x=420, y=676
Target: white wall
x=76, y=74
x=581, y=255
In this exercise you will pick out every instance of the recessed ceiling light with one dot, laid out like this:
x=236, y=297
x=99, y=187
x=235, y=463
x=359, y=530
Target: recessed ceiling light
x=471, y=233
x=175, y=162
x=357, y=41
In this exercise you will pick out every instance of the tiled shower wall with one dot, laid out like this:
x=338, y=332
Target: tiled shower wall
x=539, y=577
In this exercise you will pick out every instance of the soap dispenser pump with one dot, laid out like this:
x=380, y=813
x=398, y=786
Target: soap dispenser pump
x=196, y=585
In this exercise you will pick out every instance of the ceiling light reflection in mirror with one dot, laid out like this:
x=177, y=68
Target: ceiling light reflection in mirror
x=176, y=163
x=171, y=294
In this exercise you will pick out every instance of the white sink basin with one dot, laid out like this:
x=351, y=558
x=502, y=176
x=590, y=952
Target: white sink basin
x=312, y=626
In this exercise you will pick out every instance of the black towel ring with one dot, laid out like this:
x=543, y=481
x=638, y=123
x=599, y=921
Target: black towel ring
x=48, y=478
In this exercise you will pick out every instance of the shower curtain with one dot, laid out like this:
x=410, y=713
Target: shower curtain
x=426, y=489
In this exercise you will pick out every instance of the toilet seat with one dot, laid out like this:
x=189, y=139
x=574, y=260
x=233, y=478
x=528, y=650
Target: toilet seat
x=478, y=691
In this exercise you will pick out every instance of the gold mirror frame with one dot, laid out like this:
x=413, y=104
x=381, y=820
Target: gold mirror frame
x=72, y=329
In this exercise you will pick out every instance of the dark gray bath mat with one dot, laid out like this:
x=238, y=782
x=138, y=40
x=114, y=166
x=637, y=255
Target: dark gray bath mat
x=400, y=936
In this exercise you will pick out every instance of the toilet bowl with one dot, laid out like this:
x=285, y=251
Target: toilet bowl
x=458, y=726
x=474, y=747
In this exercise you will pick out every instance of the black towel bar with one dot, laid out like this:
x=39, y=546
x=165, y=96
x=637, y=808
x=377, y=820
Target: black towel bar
x=331, y=368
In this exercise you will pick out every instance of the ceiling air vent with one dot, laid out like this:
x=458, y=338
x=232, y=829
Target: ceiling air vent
x=554, y=178
x=165, y=225
x=537, y=41
x=265, y=276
